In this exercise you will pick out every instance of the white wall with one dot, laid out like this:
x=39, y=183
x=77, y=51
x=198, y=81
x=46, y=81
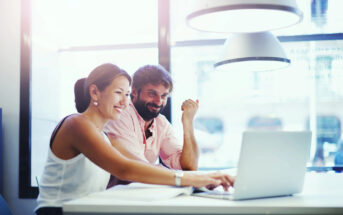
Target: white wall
x=9, y=101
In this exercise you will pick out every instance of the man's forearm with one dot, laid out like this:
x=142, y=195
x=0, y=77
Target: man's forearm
x=190, y=151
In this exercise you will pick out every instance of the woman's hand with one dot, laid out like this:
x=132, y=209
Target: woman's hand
x=209, y=180
x=227, y=181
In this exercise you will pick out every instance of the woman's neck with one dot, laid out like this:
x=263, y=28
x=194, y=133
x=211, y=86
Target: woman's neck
x=98, y=121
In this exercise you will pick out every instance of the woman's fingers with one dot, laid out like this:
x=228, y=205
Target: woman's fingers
x=211, y=186
x=226, y=181
x=210, y=180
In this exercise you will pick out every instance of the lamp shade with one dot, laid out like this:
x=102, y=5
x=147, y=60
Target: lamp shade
x=259, y=51
x=243, y=15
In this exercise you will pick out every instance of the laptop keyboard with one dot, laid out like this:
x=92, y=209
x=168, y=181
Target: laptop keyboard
x=217, y=194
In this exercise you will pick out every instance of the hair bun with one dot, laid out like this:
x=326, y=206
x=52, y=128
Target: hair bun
x=80, y=99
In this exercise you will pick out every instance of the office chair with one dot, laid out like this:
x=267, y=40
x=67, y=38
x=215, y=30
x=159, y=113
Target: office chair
x=4, y=209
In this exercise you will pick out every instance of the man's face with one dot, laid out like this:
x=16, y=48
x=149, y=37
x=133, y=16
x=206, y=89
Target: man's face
x=150, y=100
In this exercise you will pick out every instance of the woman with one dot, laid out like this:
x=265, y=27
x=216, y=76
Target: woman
x=81, y=156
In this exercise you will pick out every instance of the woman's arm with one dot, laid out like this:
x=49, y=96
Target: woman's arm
x=89, y=141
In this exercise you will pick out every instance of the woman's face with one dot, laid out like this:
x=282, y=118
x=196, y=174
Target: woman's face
x=114, y=98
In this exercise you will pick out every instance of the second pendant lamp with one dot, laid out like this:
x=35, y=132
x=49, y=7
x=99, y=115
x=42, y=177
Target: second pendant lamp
x=259, y=51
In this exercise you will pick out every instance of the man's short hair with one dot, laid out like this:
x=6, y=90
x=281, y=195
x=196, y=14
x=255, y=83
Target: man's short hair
x=152, y=74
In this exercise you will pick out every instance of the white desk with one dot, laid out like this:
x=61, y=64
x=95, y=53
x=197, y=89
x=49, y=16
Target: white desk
x=322, y=194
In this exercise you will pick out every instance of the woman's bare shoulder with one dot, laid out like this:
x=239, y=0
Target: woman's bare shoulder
x=77, y=122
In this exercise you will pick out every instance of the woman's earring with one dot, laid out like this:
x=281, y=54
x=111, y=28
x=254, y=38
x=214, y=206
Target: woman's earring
x=95, y=103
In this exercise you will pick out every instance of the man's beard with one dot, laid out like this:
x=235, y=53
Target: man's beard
x=143, y=110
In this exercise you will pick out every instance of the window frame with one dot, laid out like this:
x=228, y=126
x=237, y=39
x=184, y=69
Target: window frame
x=25, y=188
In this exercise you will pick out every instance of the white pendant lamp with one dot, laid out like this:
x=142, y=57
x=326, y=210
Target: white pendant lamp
x=259, y=51
x=243, y=15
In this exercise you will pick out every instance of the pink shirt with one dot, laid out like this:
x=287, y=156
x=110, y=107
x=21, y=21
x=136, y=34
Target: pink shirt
x=130, y=130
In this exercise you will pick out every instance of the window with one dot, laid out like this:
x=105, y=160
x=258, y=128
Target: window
x=305, y=96
x=64, y=40
x=69, y=39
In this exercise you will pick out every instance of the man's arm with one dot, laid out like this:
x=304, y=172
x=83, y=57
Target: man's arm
x=190, y=152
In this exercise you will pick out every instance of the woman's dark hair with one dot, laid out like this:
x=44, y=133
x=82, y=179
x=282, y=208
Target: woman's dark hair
x=102, y=76
x=151, y=74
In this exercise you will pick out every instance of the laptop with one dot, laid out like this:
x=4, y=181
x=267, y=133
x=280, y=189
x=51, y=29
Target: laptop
x=271, y=163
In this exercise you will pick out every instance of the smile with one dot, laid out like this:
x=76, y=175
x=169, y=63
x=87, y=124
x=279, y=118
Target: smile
x=154, y=109
x=118, y=109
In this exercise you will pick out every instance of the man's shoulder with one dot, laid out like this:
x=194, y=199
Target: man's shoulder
x=125, y=118
x=129, y=111
x=161, y=119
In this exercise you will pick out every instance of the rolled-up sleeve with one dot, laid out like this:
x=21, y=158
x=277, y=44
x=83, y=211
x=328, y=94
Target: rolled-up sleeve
x=171, y=149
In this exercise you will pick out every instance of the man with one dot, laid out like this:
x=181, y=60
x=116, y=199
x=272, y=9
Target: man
x=144, y=134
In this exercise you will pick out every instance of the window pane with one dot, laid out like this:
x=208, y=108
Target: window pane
x=320, y=17
x=70, y=38
x=304, y=96
x=67, y=23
